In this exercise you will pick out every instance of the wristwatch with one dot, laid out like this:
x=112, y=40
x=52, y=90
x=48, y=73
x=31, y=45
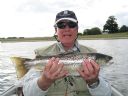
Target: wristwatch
x=94, y=85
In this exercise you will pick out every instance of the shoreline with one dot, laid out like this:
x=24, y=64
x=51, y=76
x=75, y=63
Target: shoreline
x=80, y=37
x=43, y=40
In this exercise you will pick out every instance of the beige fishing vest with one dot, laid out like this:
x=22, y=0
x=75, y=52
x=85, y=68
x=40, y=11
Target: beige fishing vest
x=69, y=86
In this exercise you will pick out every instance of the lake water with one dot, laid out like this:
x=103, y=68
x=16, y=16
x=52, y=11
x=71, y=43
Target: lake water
x=117, y=73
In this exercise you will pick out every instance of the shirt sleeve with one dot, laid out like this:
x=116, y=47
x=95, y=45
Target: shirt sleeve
x=103, y=89
x=30, y=86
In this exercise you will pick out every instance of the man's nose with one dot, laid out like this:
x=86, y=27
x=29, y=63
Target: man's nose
x=67, y=27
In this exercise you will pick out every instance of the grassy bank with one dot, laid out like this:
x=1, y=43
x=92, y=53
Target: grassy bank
x=89, y=37
x=33, y=39
x=106, y=36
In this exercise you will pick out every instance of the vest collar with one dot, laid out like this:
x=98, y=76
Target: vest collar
x=75, y=48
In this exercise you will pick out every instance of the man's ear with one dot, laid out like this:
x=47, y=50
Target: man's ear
x=55, y=30
x=55, y=35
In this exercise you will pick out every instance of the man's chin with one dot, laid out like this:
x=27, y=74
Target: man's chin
x=67, y=41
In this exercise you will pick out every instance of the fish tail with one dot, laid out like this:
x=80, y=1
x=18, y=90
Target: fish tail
x=19, y=66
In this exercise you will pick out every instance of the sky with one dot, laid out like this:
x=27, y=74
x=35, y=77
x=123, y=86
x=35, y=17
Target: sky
x=35, y=18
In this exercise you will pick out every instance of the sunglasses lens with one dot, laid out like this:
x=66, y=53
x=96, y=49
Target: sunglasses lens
x=61, y=25
x=70, y=24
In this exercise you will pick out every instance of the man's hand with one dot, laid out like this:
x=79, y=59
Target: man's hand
x=90, y=71
x=52, y=71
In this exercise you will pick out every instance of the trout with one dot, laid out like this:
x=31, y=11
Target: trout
x=71, y=61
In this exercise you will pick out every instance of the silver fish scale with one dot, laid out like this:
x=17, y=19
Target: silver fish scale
x=71, y=61
x=74, y=57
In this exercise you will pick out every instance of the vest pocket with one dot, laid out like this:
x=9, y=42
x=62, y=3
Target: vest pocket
x=71, y=86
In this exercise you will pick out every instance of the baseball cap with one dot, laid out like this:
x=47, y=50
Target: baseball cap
x=66, y=15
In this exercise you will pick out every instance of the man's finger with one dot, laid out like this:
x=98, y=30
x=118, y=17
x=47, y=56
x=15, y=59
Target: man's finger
x=95, y=65
x=55, y=65
x=49, y=64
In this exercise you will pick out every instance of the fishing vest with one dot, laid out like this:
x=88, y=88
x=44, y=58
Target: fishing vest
x=68, y=86
x=55, y=50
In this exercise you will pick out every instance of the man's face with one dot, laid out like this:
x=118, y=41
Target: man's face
x=66, y=31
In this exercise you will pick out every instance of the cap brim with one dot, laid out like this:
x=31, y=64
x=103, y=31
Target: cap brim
x=70, y=19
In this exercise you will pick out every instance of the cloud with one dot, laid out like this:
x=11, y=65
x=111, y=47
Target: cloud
x=36, y=17
x=122, y=18
x=35, y=6
x=42, y=6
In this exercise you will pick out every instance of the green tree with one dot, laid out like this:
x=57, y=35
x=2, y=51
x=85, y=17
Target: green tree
x=123, y=28
x=95, y=31
x=111, y=25
x=92, y=31
x=86, y=31
x=80, y=34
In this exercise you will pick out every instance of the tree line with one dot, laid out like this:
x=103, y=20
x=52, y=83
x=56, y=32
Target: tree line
x=111, y=26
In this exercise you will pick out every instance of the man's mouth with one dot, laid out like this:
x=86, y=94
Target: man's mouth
x=69, y=35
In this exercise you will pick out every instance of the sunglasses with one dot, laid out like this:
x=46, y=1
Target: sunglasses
x=62, y=25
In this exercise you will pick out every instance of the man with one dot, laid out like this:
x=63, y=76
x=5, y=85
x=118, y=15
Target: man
x=54, y=80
